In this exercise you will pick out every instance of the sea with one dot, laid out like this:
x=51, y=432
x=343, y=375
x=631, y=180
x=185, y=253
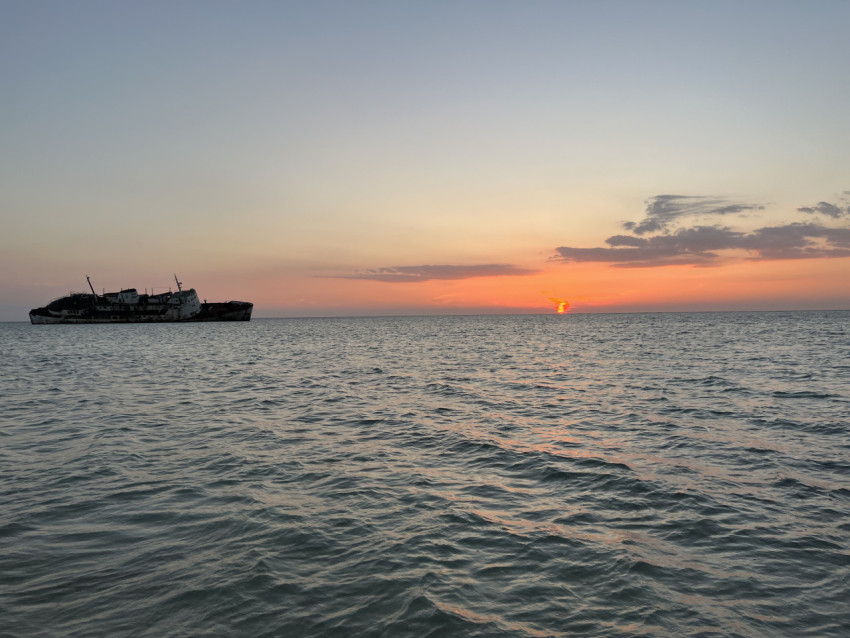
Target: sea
x=681, y=474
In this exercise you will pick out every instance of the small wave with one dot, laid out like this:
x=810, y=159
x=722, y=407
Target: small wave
x=802, y=394
x=597, y=464
x=795, y=488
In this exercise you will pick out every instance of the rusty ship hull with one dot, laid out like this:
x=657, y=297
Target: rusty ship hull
x=128, y=306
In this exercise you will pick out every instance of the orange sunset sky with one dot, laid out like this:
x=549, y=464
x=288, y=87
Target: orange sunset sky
x=372, y=158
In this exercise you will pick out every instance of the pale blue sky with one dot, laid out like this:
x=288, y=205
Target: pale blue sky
x=302, y=138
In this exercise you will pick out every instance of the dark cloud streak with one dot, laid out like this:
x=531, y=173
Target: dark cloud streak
x=664, y=210
x=694, y=246
x=825, y=208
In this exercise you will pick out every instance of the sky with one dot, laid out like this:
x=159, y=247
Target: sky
x=336, y=158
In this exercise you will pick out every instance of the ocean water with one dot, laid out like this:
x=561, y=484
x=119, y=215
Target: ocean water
x=590, y=475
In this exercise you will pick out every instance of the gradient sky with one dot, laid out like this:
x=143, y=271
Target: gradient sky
x=359, y=157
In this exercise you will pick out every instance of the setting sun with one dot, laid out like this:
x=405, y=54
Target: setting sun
x=561, y=305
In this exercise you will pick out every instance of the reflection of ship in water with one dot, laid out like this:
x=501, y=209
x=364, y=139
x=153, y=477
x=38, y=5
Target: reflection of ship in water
x=128, y=306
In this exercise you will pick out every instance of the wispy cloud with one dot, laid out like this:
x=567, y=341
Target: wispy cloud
x=836, y=211
x=406, y=274
x=664, y=210
x=704, y=245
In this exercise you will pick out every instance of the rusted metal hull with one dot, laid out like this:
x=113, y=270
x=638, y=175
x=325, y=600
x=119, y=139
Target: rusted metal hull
x=226, y=311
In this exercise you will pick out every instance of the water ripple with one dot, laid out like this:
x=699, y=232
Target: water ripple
x=609, y=475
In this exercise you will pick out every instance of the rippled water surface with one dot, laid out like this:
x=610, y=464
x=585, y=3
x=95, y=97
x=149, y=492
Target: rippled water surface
x=597, y=475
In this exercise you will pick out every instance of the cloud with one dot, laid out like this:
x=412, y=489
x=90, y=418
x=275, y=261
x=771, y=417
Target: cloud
x=694, y=246
x=800, y=241
x=709, y=245
x=825, y=208
x=664, y=210
x=406, y=274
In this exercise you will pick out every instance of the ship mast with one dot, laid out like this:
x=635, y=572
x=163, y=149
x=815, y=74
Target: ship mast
x=179, y=288
x=88, y=279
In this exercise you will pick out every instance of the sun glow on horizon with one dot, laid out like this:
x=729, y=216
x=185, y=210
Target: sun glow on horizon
x=561, y=305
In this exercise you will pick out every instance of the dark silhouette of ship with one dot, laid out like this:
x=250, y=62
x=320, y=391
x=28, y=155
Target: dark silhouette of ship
x=128, y=306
